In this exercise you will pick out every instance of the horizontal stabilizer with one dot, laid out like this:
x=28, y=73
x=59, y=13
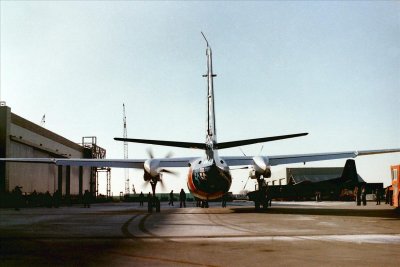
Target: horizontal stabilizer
x=256, y=140
x=203, y=145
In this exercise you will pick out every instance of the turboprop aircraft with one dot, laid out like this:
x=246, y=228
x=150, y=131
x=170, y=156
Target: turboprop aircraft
x=308, y=189
x=209, y=177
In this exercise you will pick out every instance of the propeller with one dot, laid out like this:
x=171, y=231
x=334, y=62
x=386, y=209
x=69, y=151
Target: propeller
x=153, y=174
x=258, y=164
x=151, y=154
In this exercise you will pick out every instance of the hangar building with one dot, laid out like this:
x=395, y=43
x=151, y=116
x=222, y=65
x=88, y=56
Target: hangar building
x=20, y=138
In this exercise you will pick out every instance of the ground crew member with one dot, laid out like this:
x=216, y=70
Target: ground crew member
x=141, y=197
x=378, y=196
x=357, y=193
x=17, y=197
x=149, y=203
x=364, y=195
x=57, y=198
x=182, y=198
x=48, y=200
x=171, y=198
x=224, y=201
x=86, y=199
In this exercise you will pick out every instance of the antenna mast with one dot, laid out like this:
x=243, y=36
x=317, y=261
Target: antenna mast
x=126, y=154
x=43, y=121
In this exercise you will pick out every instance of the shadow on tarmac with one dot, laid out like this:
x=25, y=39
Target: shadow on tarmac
x=377, y=213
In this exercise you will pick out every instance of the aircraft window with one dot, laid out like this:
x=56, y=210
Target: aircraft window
x=222, y=161
x=199, y=161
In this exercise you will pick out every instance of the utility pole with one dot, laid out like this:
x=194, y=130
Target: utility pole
x=43, y=121
x=126, y=155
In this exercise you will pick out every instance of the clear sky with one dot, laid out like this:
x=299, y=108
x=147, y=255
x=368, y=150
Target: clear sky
x=328, y=68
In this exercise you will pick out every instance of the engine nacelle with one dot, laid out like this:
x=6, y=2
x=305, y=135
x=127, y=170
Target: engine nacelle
x=260, y=168
x=151, y=169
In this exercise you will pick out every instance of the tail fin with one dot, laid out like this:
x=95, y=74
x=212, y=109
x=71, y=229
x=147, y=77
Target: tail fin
x=350, y=172
x=211, y=129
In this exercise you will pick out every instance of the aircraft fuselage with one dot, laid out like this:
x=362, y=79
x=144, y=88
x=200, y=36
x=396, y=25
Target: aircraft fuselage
x=209, y=179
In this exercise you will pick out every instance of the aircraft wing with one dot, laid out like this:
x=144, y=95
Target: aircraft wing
x=184, y=162
x=288, y=159
x=121, y=163
x=117, y=163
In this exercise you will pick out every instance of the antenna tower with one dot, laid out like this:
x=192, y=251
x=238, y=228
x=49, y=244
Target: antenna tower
x=43, y=121
x=126, y=154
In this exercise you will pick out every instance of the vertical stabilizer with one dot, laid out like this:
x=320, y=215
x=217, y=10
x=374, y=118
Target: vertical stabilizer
x=350, y=172
x=211, y=131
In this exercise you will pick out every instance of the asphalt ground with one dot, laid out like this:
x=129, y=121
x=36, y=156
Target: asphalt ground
x=124, y=234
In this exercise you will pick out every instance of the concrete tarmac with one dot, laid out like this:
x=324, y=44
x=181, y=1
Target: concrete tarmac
x=124, y=234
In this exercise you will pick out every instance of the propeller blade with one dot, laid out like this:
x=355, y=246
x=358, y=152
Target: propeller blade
x=150, y=153
x=162, y=184
x=169, y=154
x=262, y=147
x=240, y=168
x=169, y=172
x=145, y=184
x=246, y=182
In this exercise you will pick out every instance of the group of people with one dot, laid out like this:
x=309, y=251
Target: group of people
x=182, y=198
x=361, y=195
x=18, y=199
x=34, y=199
x=388, y=196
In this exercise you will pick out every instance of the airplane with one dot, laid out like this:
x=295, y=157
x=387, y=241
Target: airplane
x=209, y=177
x=307, y=189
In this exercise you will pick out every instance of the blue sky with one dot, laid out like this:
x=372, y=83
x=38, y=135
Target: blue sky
x=328, y=68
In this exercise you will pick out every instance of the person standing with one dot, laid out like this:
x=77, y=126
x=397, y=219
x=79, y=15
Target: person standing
x=378, y=196
x=364, y=195
x=182, y=198
x=224, y=196
x=17, y=197
x=56, y=198
x=171, y=198
x=357, y=193
x=387, y=195
x=149, y=203
x=86, y=199
x=48, y=200
x=141, y=197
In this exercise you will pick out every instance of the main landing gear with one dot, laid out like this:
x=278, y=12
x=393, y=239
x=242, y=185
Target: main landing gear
x=201, y=203
x=261, y=198
x=154, y=203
